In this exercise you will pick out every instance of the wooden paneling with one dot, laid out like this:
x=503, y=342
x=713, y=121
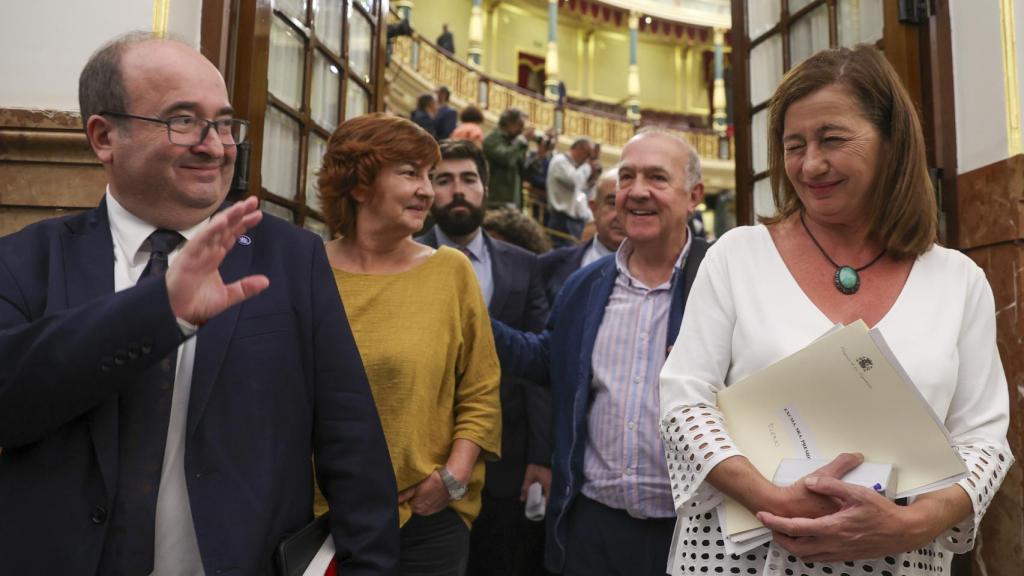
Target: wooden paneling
x=46, y=167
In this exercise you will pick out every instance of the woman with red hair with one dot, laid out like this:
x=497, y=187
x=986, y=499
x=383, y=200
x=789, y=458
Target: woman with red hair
x=423, y=332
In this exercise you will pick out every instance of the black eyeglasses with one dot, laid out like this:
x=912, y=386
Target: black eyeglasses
x=192, y=131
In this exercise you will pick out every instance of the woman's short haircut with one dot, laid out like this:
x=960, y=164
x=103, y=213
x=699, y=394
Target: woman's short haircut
x=357, y=151
x=471, y=114
x=902, y=211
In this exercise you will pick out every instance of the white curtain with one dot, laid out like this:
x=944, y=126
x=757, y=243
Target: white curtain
x=280, y=164
x=325, y=92
x=759, y=141
x=808, y=35
x=360, y=44
x=317, y=147
x=765, y=69
x=284, y=74
x=328, y=23
x=357, y=101
x=761, y=16
x=860, y=21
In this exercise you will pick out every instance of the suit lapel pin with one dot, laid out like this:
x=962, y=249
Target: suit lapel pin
x=244, y=240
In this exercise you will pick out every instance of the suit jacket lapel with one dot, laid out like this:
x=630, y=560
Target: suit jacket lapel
x=597, y=300
x=213, y=338
x=89, y=274
x=499, y=282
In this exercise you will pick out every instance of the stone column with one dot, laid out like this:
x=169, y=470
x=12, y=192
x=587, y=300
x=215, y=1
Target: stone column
x=718, y=94
x=476, y=33
x=404, y=8
x=551, y=60
x=633, y=81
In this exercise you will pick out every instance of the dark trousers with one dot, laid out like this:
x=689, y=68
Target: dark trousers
x=503, y=542
x=435, y=545
x=605, y=541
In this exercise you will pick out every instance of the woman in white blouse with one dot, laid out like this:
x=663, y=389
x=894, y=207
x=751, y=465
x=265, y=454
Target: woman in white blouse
x=854, y=238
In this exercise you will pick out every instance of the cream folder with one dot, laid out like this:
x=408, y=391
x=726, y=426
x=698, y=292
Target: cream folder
x=845, y=392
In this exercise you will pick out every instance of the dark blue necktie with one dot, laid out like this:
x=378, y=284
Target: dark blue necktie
x=144, y=410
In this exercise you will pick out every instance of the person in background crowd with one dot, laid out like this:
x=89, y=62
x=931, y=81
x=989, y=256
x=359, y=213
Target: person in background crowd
x=848, y=169
x=446, y=118
x=421, y=323
x=557, y=266
x=518, y=229
x=505, y=148
x=610, y=509
x=469, y=128
x=570, y=176
x=446, y=41
x=535, y=171
x=425, y=114
x=171, y=363
x=503, y=540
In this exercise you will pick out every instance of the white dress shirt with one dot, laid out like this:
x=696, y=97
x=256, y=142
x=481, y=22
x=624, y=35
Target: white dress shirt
x=479, y=256
x=176, y=550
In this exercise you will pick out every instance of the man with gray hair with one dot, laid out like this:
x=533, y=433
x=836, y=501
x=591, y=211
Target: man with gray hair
x=571, y=175
x=556, y=266
x=505, y=148
x=611, y=509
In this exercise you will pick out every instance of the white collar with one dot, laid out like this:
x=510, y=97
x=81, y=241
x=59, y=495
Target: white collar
x=626, y=249
x=130, y=232
x=476, y=246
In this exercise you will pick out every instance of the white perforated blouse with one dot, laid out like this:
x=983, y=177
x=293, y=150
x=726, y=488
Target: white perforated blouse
x=746, y=311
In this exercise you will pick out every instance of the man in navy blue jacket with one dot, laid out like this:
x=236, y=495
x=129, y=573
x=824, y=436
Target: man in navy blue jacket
x=611, y=509
x=171, y=366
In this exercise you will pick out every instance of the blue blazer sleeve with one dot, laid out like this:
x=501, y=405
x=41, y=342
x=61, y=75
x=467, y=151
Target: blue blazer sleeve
x=522, y=354
x=58, y=364
x=353, y=465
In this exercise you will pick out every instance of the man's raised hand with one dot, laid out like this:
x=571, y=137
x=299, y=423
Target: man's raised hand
x=194, y=285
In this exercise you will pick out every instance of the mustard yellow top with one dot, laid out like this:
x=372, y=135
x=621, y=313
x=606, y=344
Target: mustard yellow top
x=426, y=342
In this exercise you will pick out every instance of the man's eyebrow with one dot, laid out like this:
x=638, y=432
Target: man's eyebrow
x=188, y=106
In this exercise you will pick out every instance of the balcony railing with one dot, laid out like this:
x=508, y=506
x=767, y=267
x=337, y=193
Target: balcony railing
x=469, y=84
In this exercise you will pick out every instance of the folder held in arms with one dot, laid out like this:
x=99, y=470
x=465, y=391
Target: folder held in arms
x=845, y=392
x=308, y=552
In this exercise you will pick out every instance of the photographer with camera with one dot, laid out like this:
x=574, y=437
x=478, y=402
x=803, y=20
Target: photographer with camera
x=571, y=175
x=505, y=148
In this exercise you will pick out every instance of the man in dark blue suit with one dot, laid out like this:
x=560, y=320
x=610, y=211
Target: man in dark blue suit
x=613, y=322
x=170, y=365
x=502, y=540
x=556, y=266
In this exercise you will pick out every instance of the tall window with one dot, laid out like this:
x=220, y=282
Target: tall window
x=772, y=37
x=300, y=67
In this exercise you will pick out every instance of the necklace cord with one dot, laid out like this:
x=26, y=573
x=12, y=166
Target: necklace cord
x=829, y=258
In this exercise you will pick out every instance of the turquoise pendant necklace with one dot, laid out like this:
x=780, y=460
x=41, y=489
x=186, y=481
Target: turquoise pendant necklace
x=847, y=278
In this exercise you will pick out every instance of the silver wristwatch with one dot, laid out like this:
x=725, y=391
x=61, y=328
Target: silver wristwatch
x=456, y=489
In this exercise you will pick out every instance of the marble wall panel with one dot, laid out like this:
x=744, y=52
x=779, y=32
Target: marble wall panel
x=990, y=203
x=990, y=210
